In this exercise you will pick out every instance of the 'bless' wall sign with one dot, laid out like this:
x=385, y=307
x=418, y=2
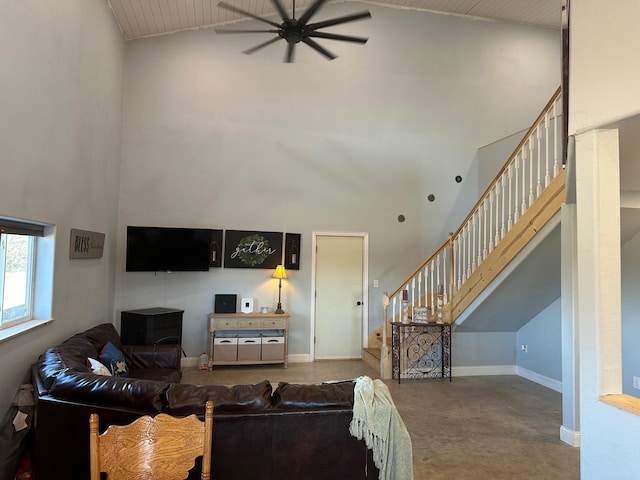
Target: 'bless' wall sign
x=247, y=249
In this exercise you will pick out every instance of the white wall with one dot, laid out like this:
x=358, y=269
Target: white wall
x=214, y=138
x=630, y=314
x=542, y=335
x=604, y=71
x=604, y=77
x=483, y=353
x=492, y=157
x=60, y=130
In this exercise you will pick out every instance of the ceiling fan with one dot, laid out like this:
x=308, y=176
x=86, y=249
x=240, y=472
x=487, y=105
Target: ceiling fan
x=295, y=30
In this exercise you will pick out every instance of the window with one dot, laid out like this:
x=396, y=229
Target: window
x=17, y=270
x=16, y=265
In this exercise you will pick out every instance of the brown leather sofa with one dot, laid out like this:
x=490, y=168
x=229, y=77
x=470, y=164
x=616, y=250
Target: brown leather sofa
x=297, y=432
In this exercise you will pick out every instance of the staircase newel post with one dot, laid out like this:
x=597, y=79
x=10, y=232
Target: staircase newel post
x=384, y=349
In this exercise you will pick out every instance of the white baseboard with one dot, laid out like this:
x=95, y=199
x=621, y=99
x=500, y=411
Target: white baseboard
x=570, y=437
x=479, y=370
x=190, y=361
x=540, y=379
x=300, y=358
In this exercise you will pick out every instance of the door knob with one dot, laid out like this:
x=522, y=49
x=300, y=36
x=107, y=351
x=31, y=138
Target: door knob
x=358, y=303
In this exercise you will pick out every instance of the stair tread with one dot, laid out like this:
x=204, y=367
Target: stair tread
x=376, y=352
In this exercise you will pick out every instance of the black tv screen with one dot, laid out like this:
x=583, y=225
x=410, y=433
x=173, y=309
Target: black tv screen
x=165, y=249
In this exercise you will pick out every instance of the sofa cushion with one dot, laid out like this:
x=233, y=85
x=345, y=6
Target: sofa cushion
x=305, y=397
x=132, y=393
x=68, y=356
x=184, y=399
x=113, y=358
x=101, y=334
x=96, y=367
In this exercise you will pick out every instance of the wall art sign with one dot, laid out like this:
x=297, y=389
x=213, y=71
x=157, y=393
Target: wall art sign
x=215, y=249
x=249, y=249
x=85, y=244
x=292, y=251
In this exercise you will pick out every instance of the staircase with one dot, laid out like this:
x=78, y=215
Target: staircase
x=525, y=194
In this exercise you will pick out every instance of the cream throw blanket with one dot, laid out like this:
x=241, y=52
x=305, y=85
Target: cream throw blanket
x=376, y=419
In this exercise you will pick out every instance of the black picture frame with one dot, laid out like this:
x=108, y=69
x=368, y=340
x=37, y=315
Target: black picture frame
x=252, y=249
x=216, y=249
x=292, y=251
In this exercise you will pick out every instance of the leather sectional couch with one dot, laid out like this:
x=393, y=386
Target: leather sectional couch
x=293, y=432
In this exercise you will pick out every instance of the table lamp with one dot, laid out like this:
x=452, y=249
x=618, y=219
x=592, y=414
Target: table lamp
x=280, y=273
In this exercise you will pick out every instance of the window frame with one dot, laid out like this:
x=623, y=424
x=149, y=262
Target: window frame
x=30, y=280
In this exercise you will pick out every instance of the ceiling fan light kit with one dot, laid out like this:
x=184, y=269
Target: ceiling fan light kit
x=295, y=30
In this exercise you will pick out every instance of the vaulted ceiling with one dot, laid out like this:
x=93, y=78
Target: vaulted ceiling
x=143, y=18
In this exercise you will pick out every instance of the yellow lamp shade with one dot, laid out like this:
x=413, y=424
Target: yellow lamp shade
x=280, y=273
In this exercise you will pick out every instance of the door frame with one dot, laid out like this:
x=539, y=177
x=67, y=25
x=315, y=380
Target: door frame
x=365, y=285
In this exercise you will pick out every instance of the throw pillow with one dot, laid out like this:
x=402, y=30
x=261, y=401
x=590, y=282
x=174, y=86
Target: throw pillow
x=114, y=360
x=98, y=368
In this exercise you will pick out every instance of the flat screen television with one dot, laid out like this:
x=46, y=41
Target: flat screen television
x=166, y=249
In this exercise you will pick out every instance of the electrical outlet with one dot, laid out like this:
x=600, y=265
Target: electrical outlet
x=636, y=382
x=524, y=348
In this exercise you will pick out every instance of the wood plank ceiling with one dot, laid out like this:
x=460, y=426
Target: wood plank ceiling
x=143, y=18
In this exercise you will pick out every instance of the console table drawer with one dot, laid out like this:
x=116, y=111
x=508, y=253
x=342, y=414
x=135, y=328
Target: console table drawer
x=250, y=323
x=224, y=323
x=275, y=323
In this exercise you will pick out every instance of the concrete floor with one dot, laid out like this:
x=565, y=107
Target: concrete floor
x=473, y=428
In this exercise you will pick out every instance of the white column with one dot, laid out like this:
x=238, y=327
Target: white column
x=570, y=428
x=598, y=247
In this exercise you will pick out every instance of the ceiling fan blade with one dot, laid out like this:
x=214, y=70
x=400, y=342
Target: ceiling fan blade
x=333, y=36
x=281, y=10
x=315, y=6
x=218, y=30
x=289, y=55
x=319, y=48
x=339, y=20
x=261, y=46
x=226, y=6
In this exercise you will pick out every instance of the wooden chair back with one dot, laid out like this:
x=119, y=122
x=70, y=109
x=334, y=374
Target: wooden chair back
x=162, y=447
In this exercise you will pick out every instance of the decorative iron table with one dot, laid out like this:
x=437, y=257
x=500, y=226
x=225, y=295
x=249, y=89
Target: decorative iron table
x=421, y=350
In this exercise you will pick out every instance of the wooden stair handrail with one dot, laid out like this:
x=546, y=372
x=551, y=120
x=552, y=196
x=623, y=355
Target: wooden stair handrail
x=506, y=165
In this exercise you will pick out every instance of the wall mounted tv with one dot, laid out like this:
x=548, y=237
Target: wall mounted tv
x=165, y=249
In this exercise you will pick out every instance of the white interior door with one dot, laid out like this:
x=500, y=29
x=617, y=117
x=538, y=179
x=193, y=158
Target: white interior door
x=339, y=299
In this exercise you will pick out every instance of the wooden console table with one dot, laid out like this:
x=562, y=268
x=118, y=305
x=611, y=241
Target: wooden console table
x=228, y=324
x=421, y=350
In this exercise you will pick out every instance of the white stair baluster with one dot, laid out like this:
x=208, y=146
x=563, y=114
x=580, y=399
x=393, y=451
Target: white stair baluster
x=556, y=139
x=473, y=243
x=510, y=222
x=413, y=294
x=433, y=304
x=524, y=179
x=547, y=175
x=480, y=228
x=426, y=288
x=459, y=262
x=468, y=253
x=484, y=228
x=539, y=162
x=530, y=172
x=497, y=233
x=515, y=195
x=502, y=181
x=491, y=221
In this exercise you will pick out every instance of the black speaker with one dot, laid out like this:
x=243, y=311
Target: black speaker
x=225, y=303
